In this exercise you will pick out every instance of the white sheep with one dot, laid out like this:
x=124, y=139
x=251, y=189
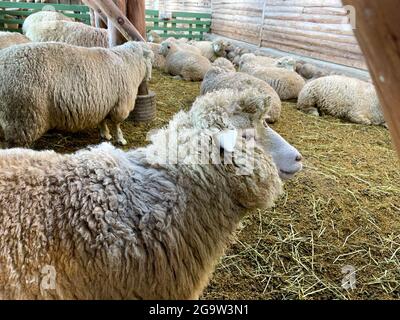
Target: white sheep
x=8, y=39
x=342, y=97
x=210, y=49
x=75, y=33
x=43, y=16
x=221, y=78
x=285, y=82
x=58, y=86
x=224, y=64
x=183, y=44
x=186, y=64
x=107, y=224
x=159, y=59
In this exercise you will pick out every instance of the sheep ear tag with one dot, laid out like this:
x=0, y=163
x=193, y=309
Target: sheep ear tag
x=227, y=139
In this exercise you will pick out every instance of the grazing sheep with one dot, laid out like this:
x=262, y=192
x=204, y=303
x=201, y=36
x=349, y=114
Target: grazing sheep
x=109, y=224
x=210, y=49
x=342, y=97
x=159, y=60
x=186, y=64
x=8, y=39
x=70, y=88
x=224, y=64
x=43, y=16
x=286, y=83
x=218, y=78
x=75, y=33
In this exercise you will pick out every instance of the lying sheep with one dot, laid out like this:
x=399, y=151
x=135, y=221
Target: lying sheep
x=218, y=78
x=70, y=88
x=258, y=60
x=159, y=59
x=182, y=44
x=210, y=49
x=43, y=16
x=179, y=62
x=109, y=224
x=224, y=64
x=8, y=39
x=310, y=71
x=75, y=33
x=286, y=83
x=346, y=98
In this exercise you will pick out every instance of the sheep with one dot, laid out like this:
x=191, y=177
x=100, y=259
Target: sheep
x=210, y=49
x=183, y=45
x=343, y=97
x=224, y=64
x=43, y=16
x=8, y=39
x=154, y=37
x=310, y=72
x=74, y=33
x=286, y=83
x=69, y=89
x=159, y=60
x=217, y=78
x=179, y=62
x=258, y=60
x=108, y=224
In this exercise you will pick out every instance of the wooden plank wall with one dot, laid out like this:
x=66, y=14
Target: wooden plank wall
x=314, y=28
x=180, y=5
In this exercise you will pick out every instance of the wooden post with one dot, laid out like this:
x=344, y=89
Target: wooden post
x=135, y=12
x=377, y=29
x=111, y=10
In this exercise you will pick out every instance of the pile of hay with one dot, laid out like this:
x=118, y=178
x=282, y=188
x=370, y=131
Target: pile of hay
x=342, y=210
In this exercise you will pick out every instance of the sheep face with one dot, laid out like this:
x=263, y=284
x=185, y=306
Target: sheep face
x=165, y=48
x=242, y=116
x=287, y=63
x=218, y=48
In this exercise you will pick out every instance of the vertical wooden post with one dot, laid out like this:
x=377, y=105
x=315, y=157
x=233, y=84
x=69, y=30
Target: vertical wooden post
x=135, y=12
x=378, y=32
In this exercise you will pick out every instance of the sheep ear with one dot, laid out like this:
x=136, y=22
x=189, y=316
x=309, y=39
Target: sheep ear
x=227, y=139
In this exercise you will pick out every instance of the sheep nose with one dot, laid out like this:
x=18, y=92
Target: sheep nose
x=299, y=158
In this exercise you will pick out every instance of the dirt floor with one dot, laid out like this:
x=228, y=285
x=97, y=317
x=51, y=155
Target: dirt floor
x=342, y=211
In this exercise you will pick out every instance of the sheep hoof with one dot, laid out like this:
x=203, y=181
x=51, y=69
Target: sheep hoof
x=106, y=136
x=122, y=142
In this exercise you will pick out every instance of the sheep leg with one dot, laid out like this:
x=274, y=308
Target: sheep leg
x=104, y=131
x=120, y=135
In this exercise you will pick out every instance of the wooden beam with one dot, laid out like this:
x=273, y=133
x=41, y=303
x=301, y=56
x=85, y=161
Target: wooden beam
x=119, y=20
x=378, y=33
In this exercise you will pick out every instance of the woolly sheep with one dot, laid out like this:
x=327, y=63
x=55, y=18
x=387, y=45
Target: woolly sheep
x=217, y=79
x=111, y=224
x=224, y=64
x=346, y=98
x=159, y=60
x=210, y=49
x=179, y=62
x=310, y=71
x=286, y=83
x=70, y=88
x=43, y=16
x=8, y=39
x=75, y=33
x=183, y=45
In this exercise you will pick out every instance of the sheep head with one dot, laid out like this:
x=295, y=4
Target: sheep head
x=167, y=46
x=242, y=115
x=219, y=48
